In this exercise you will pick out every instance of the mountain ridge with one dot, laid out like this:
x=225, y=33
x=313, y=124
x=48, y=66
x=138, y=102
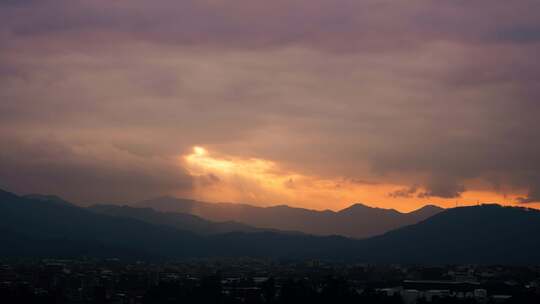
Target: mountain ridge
x=476, y=234
x=184, y=221
x=356, y=221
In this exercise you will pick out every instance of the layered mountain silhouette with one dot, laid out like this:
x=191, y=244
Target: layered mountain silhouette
x=38, y=228
x=479, y=234
x=356, y=221
x=182, y=221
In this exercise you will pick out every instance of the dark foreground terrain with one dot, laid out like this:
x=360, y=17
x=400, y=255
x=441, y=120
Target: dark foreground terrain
x=55, y=252
x=260, y=281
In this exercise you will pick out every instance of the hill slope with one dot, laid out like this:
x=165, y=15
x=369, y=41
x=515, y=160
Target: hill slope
x=478, y=234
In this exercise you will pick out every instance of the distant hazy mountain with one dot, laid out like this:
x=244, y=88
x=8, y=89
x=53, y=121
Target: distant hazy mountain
x=44, y=228
x=182, y=221
x=479, y=234
x=358, y=221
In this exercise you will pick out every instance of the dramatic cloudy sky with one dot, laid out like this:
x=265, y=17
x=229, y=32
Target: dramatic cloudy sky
x=313, y=103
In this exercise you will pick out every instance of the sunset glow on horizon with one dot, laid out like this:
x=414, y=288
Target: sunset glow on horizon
x=311, y=103
x=225, y=178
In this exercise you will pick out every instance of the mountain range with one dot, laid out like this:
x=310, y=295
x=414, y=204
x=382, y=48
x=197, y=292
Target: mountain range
x=182, y=221
x=31, y=227
x=356, y=221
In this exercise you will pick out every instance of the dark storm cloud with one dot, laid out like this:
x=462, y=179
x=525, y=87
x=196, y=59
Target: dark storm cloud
x=85, y=174
x=404, y=192
x=422, y=93
x=523, y=34
x=442, y=188
x=341, y=24
x=533, y=196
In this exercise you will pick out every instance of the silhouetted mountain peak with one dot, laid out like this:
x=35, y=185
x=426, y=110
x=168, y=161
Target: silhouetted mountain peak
x=429, y=209
x=359, y=207
x=358, y=220
x=430, y=206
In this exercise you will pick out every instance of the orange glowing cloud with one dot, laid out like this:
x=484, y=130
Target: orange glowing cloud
x=228, y=178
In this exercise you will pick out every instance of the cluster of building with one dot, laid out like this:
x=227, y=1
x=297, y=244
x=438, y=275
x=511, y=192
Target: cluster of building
x=259, y=281
x=411, y=291
x=467, y=283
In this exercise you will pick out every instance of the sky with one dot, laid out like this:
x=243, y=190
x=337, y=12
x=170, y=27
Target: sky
x=312, y=103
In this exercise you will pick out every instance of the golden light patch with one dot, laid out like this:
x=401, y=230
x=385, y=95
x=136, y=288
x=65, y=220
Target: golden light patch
x=199, y=151
x=225, y=178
